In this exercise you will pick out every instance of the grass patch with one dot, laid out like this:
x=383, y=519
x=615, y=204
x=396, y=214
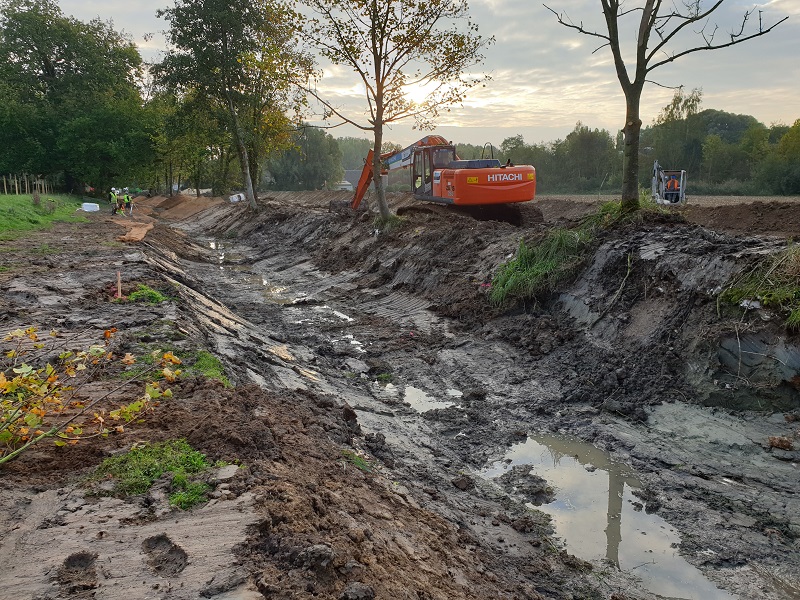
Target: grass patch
x=358, y=461
x=137, y=470
x=391, y=223
x=774, y=282
x=18, y=214
x=147, y=294
x=539, y=268
x=210, y=366
x=198, y=363
x=385, y=377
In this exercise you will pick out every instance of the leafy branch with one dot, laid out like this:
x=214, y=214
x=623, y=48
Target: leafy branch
x=38, y=402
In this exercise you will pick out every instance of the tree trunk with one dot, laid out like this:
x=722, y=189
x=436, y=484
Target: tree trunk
x=380, y=193
x=630, y=163
x=244, y=159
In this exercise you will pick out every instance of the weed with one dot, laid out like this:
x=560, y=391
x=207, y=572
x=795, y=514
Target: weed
x=3, y=269
x=358, y=461
x=539, y=268
x=147, y=294
x=137, y=469
x=189, y=493
x=774, y=282
x=45, y=249
x=385, y=377
x=391, y=223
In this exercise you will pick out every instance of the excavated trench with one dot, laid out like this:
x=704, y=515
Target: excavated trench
x=626, y=408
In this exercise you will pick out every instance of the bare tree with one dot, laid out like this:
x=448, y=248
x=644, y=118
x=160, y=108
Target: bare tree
x=394, y=45
x=662, y=26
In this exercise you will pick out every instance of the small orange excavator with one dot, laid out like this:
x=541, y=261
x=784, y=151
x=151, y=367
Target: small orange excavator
x=438, y=175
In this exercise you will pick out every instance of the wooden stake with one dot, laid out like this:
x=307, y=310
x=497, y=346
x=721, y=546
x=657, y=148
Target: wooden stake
x=119, y=284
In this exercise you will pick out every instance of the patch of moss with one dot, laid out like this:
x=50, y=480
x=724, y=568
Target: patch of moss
x=147, y=294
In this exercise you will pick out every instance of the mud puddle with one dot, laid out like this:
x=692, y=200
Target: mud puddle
x=421, y=401
x=597, y=517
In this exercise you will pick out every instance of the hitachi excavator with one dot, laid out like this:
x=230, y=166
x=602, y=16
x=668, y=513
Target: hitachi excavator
x=438, y=175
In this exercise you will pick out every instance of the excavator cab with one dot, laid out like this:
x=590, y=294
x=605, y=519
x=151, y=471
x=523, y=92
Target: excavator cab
x=668, y=186
x=427, y=161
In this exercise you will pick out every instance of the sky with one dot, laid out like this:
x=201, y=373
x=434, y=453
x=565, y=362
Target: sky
x=546, y=77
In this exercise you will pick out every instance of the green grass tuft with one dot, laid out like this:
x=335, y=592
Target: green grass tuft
x=189, y=493
x=136, y=470
x=147, y=294
x=539, y=268
x=210, y=366
x=774, y=282
x=358, y=461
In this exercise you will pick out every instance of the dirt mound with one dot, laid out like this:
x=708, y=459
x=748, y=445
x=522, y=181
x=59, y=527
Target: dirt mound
x=775, y=218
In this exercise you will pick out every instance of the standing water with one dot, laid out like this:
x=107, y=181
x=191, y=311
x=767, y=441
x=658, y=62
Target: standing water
x=597, y=516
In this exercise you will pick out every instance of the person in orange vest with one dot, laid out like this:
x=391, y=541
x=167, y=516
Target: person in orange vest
x=673, y=189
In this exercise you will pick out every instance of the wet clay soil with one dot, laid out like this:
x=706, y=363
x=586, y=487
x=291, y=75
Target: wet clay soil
x=374, y=385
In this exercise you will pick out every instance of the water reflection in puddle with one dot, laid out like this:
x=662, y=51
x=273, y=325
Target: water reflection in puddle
x=421, y=402
x=595, y=515
x=220, y=248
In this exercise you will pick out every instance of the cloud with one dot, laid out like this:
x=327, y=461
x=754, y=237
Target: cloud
x=546, y=77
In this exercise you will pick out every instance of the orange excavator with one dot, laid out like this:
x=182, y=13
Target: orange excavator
x=438, y=175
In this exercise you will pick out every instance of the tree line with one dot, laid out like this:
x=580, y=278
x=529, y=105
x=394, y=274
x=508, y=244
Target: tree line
x=223, y=111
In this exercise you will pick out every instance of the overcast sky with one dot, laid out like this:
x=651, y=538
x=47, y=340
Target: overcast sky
x=546, y=78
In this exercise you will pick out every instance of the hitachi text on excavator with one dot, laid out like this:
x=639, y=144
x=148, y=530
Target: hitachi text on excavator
x=438, y=175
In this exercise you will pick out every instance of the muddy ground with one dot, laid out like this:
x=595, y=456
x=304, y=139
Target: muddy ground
x=375, y=388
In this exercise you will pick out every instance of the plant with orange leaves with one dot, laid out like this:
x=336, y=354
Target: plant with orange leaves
x=40, y=400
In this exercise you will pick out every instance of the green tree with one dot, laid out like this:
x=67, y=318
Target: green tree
x=354, y=151
x=69, y=96
x=661, y=26
x=243, y=55
x=590, y=154
x=672, y=136
x=392, y=46
x=312, y=162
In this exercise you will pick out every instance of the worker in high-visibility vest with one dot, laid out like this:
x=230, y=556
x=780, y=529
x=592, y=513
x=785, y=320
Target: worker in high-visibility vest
x=673, y=189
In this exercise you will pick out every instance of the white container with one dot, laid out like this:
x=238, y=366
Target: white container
x=90, y=207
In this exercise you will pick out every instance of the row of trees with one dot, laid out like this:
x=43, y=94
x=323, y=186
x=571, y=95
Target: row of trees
x=223, y=108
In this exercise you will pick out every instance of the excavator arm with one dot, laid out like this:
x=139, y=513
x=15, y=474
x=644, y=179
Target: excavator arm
x=397, y=159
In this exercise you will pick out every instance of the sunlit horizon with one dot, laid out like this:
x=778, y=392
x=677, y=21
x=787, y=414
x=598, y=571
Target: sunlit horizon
x=545, y=77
